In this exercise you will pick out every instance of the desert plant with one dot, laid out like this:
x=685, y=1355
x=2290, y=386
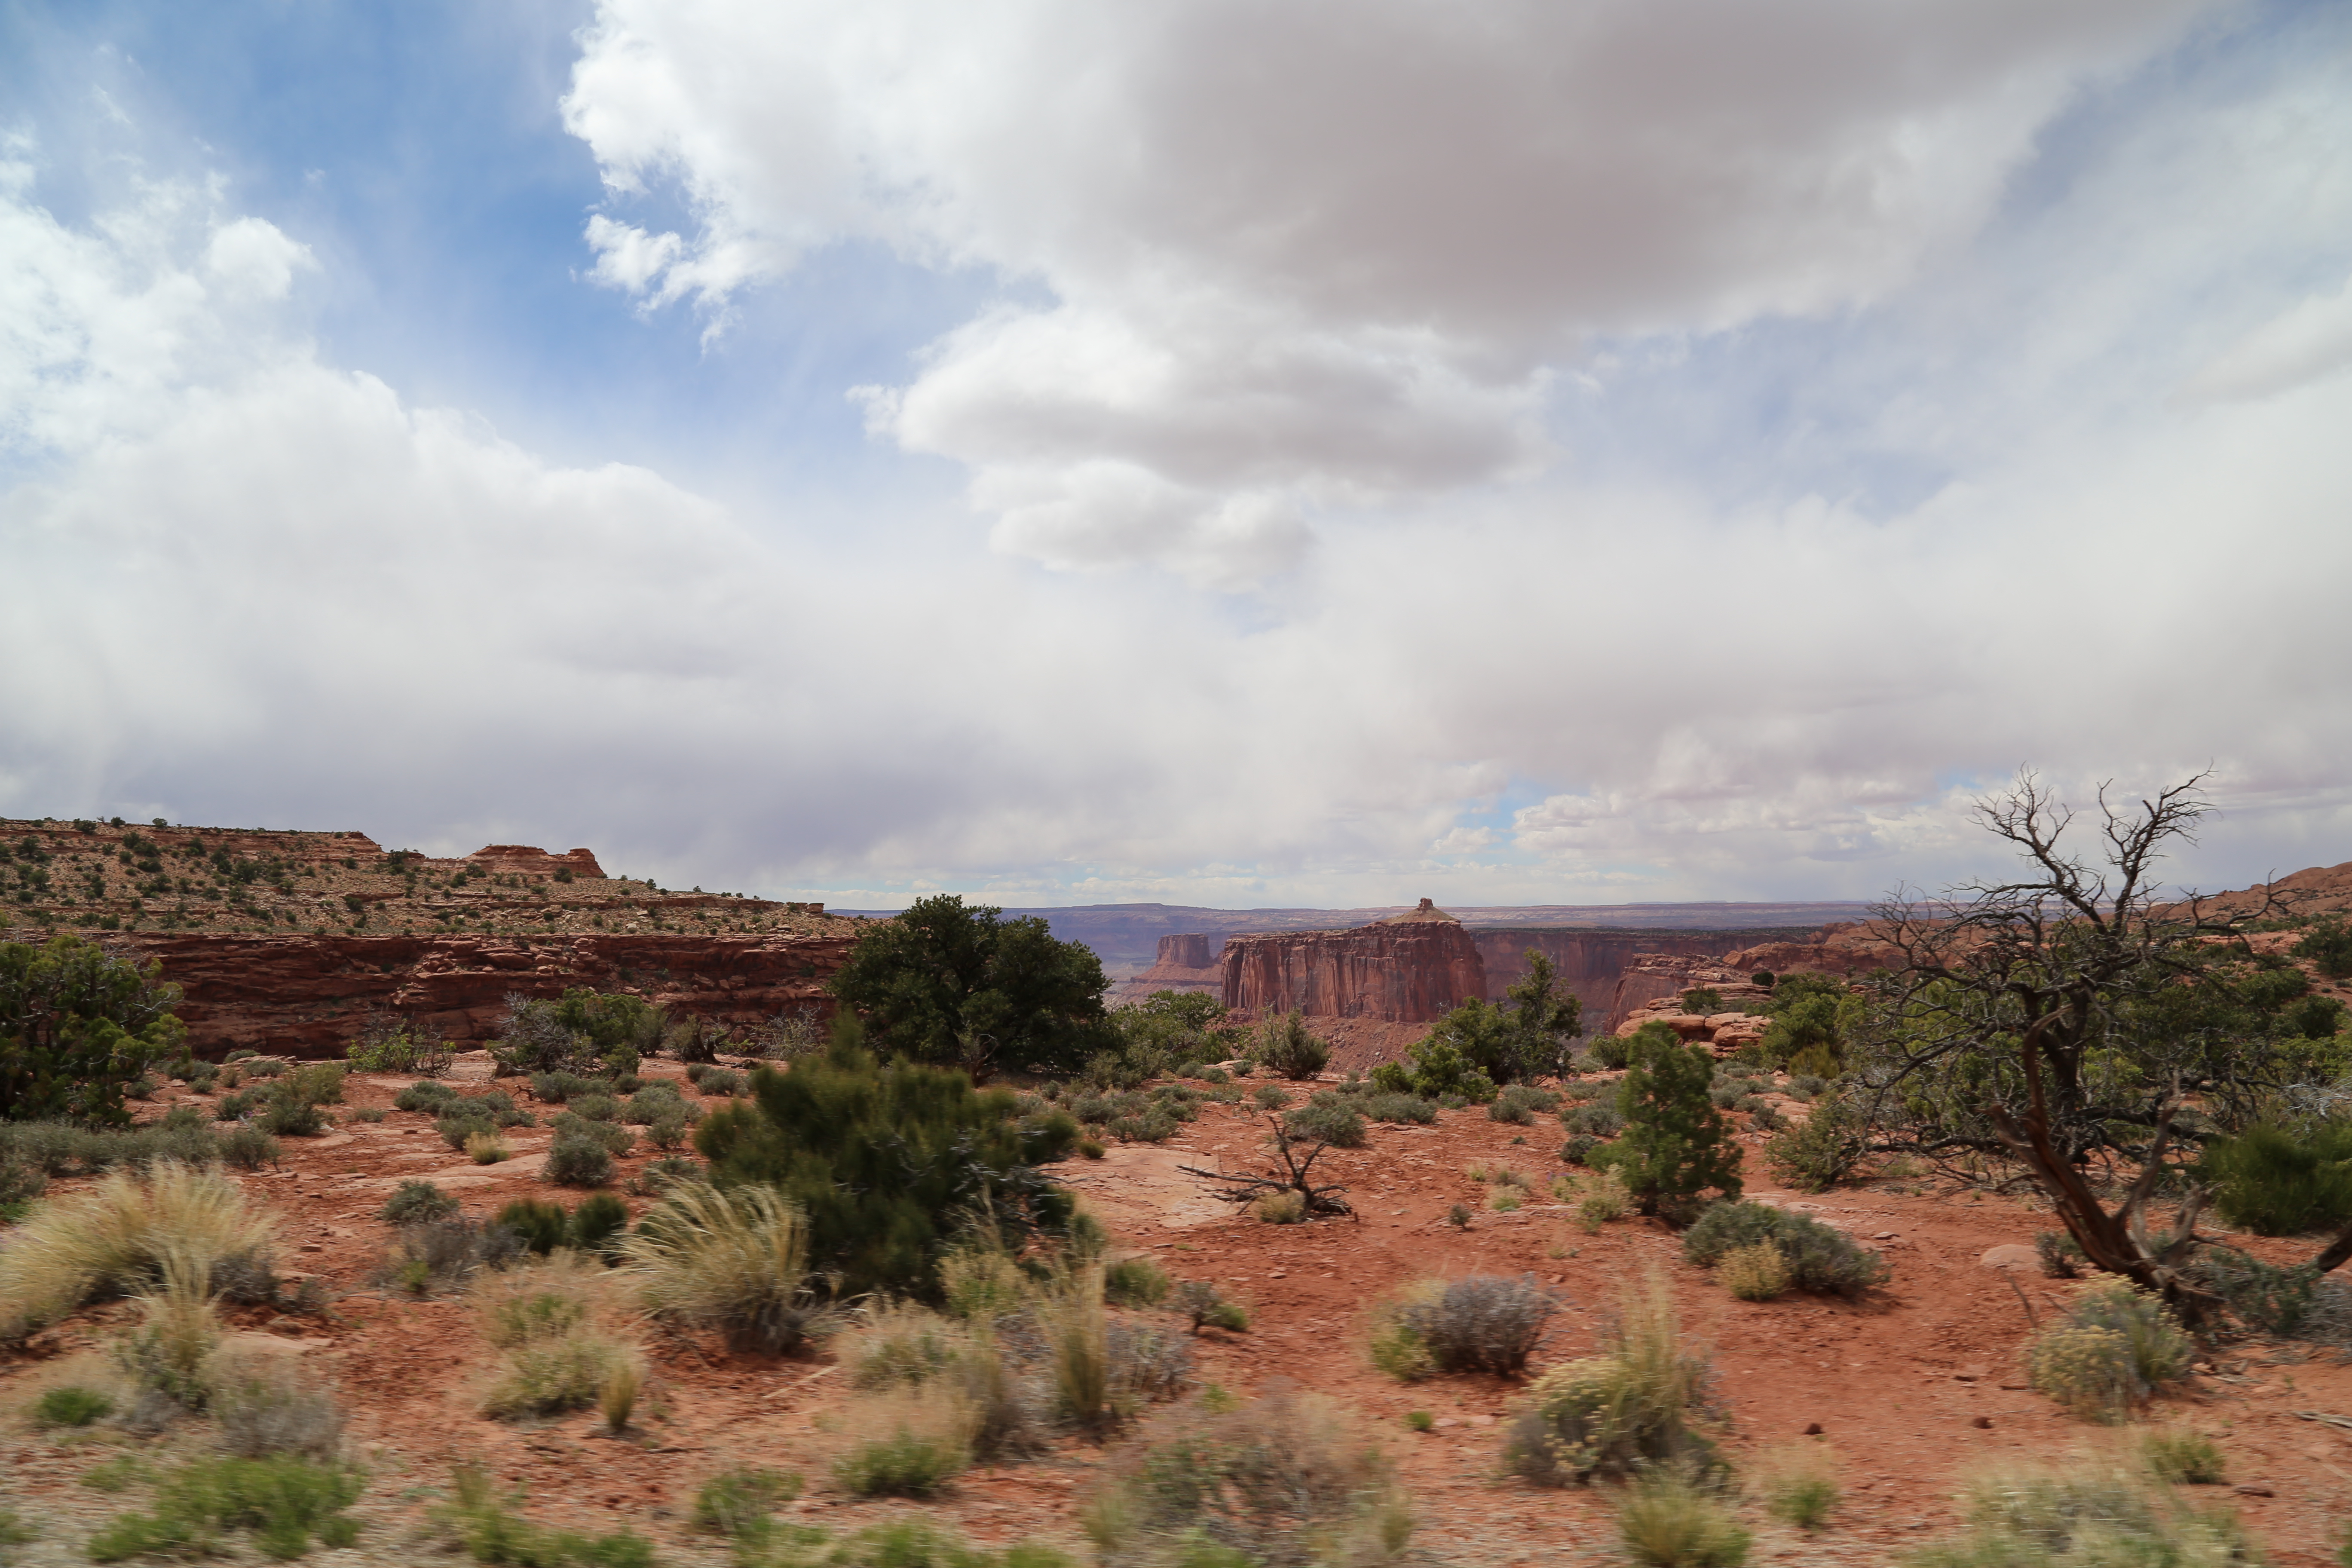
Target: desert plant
x=584, y=1031
x=1285, y=1207
x=1667, y=1520
x=1480, y=1323
x=1819, y=1257
x=271, y=1402
x=1280, y=1483
x=885, y=1162
x=486, y=1148
x=1270, y=1096
x=2060, y=1255
x=2182, y=1458
x=1519, y=1103
x=981, y=1281
x=721, y=1083
x=617, y=1399
x=2086, y=1517
x=914, y=1453
x=1677, y=1144
x=1283, y=1046
x=1135, y=1282
x=71, y=1406
x=417, y=1203
x=1800, y=1488
x=1605, y=1200
x=736, y=1262
x=598, y=1225
x=1818, y=1152
x=1201, y=1304
x=401, y=1046
x=2292, y=1300
x=171, y=1352
x=2276, y=1181
x=447, y=1251
x=549, y=1375
x=78, y=1027
x=1634, y=1405
x=486, y=1529
x=1757, y=1272
x=116, y=1238
x=736, y=1502
x=578, y=1162
x=284, y=1502
x=537, y=1224
x=2117, y=1346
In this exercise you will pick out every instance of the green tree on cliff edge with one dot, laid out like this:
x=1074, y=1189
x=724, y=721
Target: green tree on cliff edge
x=78, y=1027
x=1677, y=1144
x=960, y=985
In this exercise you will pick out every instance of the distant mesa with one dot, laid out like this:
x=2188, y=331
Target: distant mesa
x=532, y=861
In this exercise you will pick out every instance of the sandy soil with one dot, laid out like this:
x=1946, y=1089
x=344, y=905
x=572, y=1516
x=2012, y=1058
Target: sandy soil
x=1913, y=1388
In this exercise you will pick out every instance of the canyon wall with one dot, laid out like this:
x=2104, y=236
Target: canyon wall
x=310, y=994
x=1410, y=969
x=1593, y=963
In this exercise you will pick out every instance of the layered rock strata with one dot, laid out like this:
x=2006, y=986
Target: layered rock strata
x=1189, y=962
x=1410, y=968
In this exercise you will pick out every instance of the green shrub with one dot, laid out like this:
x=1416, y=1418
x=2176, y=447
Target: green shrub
x=284, y=1502
x=2116, y=1347
x=1480, y=1323
x=1820, y=1257
x=560, y=1088
x=613, y=1137
x=2274, y=1182
x=540, y=1226
x=1384, y=1106
x=1676, y=1145
x=734, y=1260
x=903, y=1462
x=71, y=1406
x=1800, y=1491
x=1283, y=1046
x=285, y=1118
x=598, y=1224
x=1200, y=1301
x=2328, y=945
x=736, y=1502
x=487, y=1530
x=1667, y=1520
x=1135, y=1282
x=77, y=1028
x=1820, y=1152
x=574, y=1161
x=1520, y=1103
x=418, y=1203
x=1435, y=1068
x=1613, y=1416
x=584, y=1031
x=1329, y=1118
x=1599, y=1119
x=2267, y=1298
x=426, y=1096
x=721, y=1083
x=883, y=1160
x=389, y=1046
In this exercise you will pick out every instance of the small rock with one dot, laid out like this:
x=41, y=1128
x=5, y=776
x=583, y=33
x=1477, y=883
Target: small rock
x=313, y=1247
x=1812, y=1428
x=1482, y=1421
x=1886, y=1236
x=1982, y=1423
x=1447, y=1421
x=2253, y=1490
x=2013, y=1256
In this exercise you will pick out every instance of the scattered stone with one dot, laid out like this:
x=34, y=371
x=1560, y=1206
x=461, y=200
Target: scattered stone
x=2252, y=1489
x=1812, y=1428
x=1982, y=1423
x=2014, y=1257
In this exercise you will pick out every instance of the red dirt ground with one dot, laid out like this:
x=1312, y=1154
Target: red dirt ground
x=1912, y=1388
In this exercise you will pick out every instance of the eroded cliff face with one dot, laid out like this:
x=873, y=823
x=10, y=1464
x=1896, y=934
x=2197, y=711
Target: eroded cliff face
x=1594, y=963
x=311, y=994
x=1409, y=968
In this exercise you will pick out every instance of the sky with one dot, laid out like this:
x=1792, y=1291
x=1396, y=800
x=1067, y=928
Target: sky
x=1242, y=454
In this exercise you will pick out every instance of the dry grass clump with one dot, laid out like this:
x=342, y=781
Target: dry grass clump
x=170, y=1356
x=1799, y=1486
x=114, y=1238
x=2178, y=1456
x=1281, y=1482
x=735, y=1261
x=548, y=1318
x=2117, y=1346
x=906, y=1445
x=1633, y=1406
x=270, y=1401
x=2087, y=1517
x=1667, y=1520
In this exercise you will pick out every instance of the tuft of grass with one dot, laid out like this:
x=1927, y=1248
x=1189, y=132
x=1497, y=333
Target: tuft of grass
x=1800, y=1487
x=71, y=1406
x=1634, y=1406
x=1758, y=1272
x=487, y=1149
x=578, y=1162
x=737, y=1502
x=1077, y=1339
x=1421, y=1420
x=617, y=1400
x=1667, y=1520
x=1287, y=1207
x=2182, y=1458
x=549, y=1377
x=285, y=1503
x=485, y=1528
x=171, y=1351
x=918, y=1452
x=982, y=1282
x=734, y=1262
x=271, y=1402
x=1135, y=1282
x=114, y=1238
x=1201, y=1301
x=2088, y=1516
x=1458, y=1217
x=544, y=1318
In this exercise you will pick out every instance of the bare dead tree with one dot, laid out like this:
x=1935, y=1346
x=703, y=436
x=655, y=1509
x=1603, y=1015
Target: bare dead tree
x=1293, y=1177
x=2037, y=1016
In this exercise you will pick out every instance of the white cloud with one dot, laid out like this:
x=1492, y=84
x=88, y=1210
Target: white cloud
x=1298, y=255
x=2302, y=344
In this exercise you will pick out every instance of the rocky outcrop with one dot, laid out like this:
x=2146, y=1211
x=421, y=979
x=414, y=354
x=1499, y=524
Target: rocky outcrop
x=1651, y=989
x=311, y=994
x=1592, y=963
x=1409, y=968
x=529, y=861
x=2319, y=891
x=1854, y=948
x=1187, y=962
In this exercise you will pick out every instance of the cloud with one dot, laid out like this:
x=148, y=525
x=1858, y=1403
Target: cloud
x=1292, y=260
x=2311, y=340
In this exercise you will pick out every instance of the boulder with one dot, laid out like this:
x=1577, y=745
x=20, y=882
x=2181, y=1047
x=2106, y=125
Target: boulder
x=2014, y=1257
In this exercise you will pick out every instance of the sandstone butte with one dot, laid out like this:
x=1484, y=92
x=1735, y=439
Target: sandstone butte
x=291, y=942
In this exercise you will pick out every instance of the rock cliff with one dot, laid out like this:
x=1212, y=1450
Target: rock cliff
x=311, y=994
x=1593, y=963
x=1410, y=968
